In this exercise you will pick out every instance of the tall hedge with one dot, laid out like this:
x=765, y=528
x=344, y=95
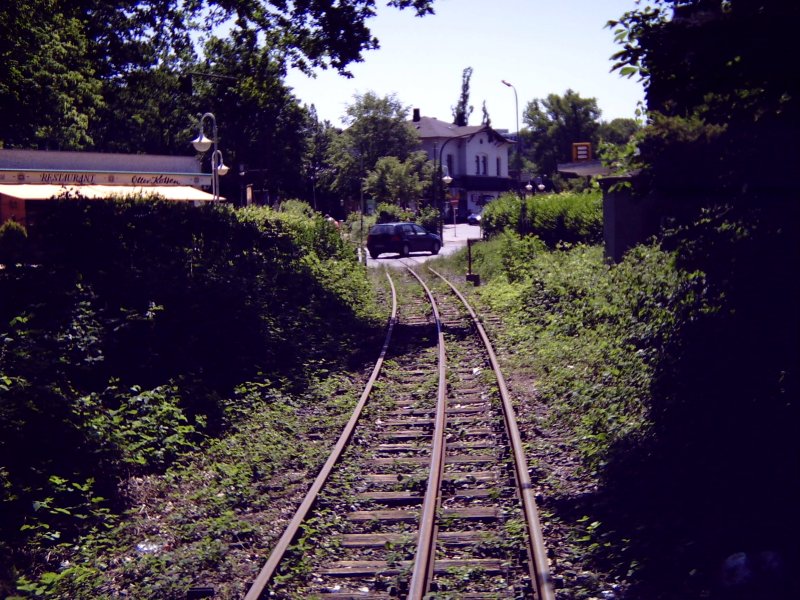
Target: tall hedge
x=567, y=217
x=129, y=328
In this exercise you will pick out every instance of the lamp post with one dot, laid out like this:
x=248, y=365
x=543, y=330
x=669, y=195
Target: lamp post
x=519, y=139
x=523, y=218
x=361, y=209
x=447, y=180
x=442, y=178
x=201, y=143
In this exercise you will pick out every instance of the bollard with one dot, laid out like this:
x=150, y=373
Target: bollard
x=473, y=278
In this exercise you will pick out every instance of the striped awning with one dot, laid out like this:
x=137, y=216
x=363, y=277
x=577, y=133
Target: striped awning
x=46, y=191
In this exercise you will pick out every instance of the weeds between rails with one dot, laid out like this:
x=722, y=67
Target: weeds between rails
x=426, y=493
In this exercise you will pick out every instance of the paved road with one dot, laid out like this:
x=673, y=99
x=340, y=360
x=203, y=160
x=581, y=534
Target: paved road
x=455, y=238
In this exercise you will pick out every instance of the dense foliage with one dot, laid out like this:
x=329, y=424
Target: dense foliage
x=376, y=128
x=717, y=161
x=427, y=217
x=714, y=486
x=555, y=123
x=401, y=182
x=123, y=343
x=690, y=479
x=134, y=76
x=553, y=218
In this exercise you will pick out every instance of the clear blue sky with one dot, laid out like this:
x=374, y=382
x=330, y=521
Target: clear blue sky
x=540, y=46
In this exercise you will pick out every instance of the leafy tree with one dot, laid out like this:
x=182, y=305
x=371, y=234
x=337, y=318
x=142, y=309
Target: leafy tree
x=318, y=171
x=617, y=131
x=463, y=110
x=377, y=127
x=717, y=160
x=486, y=119
x=62, y=62
x=554, y=124
x=49, y=91
x=260, y=122
x=400, y=182
x=721, y=105
x=145, y=111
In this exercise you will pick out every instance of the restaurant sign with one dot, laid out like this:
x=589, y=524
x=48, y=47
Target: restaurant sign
x=102, y=178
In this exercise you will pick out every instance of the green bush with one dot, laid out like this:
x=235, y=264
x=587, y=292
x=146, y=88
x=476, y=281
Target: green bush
x=593, y=333
x=121, y=345
x=575, y=218
x=389, y=213
x=502, y=214
x=428, y=217
x=13, y=243
x=298, y=207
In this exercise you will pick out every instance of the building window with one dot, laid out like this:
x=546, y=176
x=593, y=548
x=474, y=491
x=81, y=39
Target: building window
x=484, y=161
x=497, y=160
x=450, y=165
x=477, y=165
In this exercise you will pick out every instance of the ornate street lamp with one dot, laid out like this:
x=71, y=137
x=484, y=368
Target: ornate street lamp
x=439, y=171
x=201, y=143
x=447, y=180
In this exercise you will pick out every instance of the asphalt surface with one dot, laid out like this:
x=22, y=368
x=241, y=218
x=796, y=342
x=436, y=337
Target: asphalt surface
x=455, y=238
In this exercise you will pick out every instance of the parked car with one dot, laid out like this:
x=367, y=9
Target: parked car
x=474, y=218
x=402, y=238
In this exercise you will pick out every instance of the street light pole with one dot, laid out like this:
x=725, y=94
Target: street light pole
x=447, y=180
x=519, y=139
x=201, y=143
x=441, y=177
x=523, y=220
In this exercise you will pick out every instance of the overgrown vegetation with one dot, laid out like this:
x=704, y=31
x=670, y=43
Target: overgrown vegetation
x=426, y=216
x=123, y=347
x=567, y=217
x=644, y=370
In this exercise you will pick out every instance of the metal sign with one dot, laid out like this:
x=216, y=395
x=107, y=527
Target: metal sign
x=581, y=151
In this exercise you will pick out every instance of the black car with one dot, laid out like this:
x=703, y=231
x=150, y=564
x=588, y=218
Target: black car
x=402, y=238
x=474, y=218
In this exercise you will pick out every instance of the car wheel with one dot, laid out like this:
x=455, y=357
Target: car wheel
x=435, y=248
x=404, y=251
x=374, y=254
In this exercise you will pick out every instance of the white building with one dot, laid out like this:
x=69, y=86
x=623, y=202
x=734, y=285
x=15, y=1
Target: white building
x=475, y=156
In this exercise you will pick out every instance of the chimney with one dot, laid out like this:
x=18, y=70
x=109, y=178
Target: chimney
x=416, y=115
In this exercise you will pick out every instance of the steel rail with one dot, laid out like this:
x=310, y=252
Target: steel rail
x=426, y=541
x=265, y=575
x=541, y=572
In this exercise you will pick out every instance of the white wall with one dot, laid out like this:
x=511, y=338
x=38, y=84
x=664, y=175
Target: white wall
x=464, y=152
x=481, y=145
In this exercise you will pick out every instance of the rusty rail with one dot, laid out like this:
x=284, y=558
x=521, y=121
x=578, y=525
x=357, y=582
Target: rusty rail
x=537, y=550
x=426, y=543
x=265, y=576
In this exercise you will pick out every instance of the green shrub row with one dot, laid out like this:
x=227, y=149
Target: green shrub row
x=566, y=217
x=673, y=373
x=128, y=329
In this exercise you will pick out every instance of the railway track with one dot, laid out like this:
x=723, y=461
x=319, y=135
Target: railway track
x=426, y=493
